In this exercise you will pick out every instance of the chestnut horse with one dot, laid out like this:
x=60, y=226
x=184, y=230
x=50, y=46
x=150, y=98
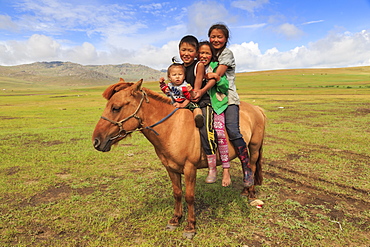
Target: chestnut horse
x=174, y=136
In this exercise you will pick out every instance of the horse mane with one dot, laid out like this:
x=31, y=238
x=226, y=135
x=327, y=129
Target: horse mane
x=121, y=85
x=157, y=96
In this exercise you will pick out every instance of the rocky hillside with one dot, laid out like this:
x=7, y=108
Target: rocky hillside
x=72, y=74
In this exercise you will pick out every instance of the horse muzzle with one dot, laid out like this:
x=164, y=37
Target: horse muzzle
x=103, y=147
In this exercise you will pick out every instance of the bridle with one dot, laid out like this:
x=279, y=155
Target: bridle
x=122, y=133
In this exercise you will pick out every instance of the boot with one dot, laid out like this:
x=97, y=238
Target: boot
x=248, y=179
x=212, y=170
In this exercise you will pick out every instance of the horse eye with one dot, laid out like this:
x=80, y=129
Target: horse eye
x=116, y=108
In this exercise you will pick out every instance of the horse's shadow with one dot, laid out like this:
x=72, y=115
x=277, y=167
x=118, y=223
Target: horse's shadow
x=212, y=201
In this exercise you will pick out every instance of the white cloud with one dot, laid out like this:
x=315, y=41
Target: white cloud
x=312, y=22
x=289, y=31
x=157, y=57
x=37, y=47
x=84, y=54
x=249, y=5
x=124, y=27
x=335, y=50
x=204, y=14
x=253, y=26
x=52, y=16
x=7, y=23
x=113, y=34
x=44, y=48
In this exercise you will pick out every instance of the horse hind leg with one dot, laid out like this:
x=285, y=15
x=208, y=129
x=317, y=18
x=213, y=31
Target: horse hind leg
x=252, y=179
x=248, y=173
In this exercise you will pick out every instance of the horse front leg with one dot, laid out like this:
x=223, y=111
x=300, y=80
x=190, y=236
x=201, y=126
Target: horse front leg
x=190, y=173
x=174, y=222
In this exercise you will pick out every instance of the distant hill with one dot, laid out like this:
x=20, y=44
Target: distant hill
x=71, y=74
x=49, y=75
x=360, y=70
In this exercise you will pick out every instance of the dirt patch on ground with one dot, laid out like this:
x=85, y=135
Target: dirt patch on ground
x=8, y=118
x=362, y=111
x=12, y=170
x=321, y=198
x=57, y=193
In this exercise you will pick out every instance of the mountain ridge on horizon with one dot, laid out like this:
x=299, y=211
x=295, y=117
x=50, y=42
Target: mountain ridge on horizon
x=69, y=74
x=72, y=74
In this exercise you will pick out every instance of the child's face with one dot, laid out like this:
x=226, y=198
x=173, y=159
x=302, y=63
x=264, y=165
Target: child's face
x=188, y=53
x=217, y=39
x=176, y=76
x=205, y=54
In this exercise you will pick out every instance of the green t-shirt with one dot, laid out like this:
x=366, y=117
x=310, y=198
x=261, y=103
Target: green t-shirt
x=218, y=93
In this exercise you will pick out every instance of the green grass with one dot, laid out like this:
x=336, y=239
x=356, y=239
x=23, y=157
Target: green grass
x=56, y=190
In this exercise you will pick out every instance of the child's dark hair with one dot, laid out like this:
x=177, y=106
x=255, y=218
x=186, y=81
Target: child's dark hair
x=213, y=51
x=174, y=65
x=221, y=27
x=225, y=31
x=191, y=40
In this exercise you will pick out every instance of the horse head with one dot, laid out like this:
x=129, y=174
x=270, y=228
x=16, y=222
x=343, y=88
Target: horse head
x=121, y=115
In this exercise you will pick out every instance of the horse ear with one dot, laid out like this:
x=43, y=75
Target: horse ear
x=137, y=86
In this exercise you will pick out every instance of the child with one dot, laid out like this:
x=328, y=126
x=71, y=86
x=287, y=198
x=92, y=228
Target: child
x=219, y=101
x=180, y=92
x=218, y=36
x=188, y=50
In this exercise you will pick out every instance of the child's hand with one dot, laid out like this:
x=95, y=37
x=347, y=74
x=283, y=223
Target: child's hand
x=213, y=75
x=189, y=87
x=197, y=95
x=163, y=85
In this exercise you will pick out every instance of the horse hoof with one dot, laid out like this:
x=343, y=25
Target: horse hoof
x=170, y=227
x=244, y=193
x=188, y=235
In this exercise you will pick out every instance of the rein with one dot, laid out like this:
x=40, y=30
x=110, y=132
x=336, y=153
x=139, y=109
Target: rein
x=133, y=115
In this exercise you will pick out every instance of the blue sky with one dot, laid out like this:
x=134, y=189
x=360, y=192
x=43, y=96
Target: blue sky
x=265, y=34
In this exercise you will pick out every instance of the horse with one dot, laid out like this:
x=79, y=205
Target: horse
x=175, y=138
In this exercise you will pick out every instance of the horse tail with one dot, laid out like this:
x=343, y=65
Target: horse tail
x=258, y=177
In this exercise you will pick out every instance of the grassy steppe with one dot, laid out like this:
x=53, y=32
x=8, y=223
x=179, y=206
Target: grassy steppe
x=56, y=190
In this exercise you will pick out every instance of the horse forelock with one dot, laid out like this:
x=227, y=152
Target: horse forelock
x=112, y=89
